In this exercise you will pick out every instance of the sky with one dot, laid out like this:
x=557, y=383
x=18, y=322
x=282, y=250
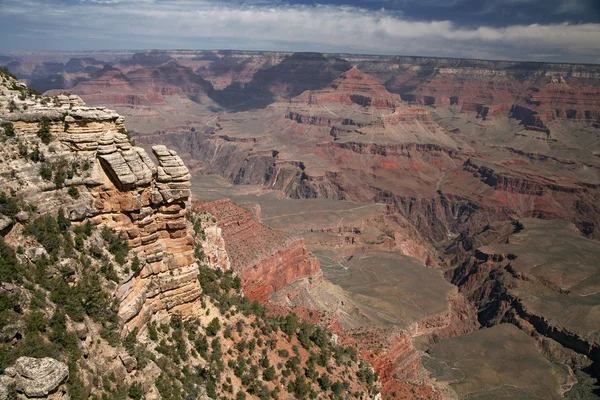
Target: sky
x=536, y=30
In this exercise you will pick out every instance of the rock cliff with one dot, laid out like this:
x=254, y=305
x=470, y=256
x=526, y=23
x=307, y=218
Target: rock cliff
x=94, y=172
x=104, y=269
x=266, y=260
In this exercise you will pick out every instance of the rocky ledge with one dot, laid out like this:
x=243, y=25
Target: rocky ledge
x=34, y=377
x=63, y=154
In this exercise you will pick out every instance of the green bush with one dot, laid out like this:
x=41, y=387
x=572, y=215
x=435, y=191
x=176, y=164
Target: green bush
x=46, y=172
x=153, y=333
x=135, y=391
x=9, y=205
x=6, y=73
x=135, y=264
x=9, y=130
x=299, y=387
x=37, y=156
x=117, y=245
x=213, y=327
x=59, y=178
x=36, y=322
x=63, y=222
x=47, y=232
x=73, y=192
x=290, y=324
x=23, y=150
x=44, y=130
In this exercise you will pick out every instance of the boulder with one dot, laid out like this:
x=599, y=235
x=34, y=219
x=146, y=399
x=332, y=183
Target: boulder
x=128, y=361
x=36, y=377
x=5, y=383
x=35, y=253
x=22, y=216
x=5, y=222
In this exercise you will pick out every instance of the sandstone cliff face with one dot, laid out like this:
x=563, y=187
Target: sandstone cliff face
x=114, y=184
x=266, y=260
x=153, y=217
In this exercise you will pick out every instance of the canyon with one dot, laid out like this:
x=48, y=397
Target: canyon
x=438, y=215
x=105, y=264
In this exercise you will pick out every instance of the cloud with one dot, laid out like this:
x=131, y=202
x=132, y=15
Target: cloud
x=262, y=25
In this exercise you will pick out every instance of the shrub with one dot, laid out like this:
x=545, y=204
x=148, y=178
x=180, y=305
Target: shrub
x=283, y=353
x=10, y=268
x=36, y=322
x=240, y=395
x=59, y=178
x=9, y=205
x=153, y=333
x=46, y=172
x=201, y=346
x=23, y=150
x=290, y=324
x=9, y=130
x=117, y=245
x=36, y=155
x=47, y=232
x=5, y=72
x=135, y=264
x=299, y=386
x=213, y=327
x=44, y=130
x=135, y=391
x=269, y=373
x=63, y=222
x=73, y=192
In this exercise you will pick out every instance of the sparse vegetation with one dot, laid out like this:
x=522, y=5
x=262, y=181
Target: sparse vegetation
x=73, y=192
x=117, y=245
x=44, y=130
x=9, y=130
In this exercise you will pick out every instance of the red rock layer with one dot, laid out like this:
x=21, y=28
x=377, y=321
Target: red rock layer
x=266, y=260
x=352, y=87
x=394, y=359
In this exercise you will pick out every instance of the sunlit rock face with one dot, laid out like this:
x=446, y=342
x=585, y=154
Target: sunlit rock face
x=112, y=183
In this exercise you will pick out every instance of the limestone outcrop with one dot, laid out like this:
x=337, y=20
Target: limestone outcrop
x=34, y=377
x=152, y=216
x=94, y=172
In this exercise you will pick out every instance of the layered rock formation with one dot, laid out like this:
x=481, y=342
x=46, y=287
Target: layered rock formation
x=82, y=172
x=154, y=221
x=34, y=377
x=351, y=87
x=265, y=260
x=250, y=80
x=114, y=184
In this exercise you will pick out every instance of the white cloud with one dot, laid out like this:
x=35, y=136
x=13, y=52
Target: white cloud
x=186, y=23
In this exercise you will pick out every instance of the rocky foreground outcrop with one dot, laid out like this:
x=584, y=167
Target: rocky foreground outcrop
x=34, y=377
x=95, y=173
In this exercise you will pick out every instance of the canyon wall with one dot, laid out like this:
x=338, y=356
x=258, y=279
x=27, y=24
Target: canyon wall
x=114, y=184
x=265, y=260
